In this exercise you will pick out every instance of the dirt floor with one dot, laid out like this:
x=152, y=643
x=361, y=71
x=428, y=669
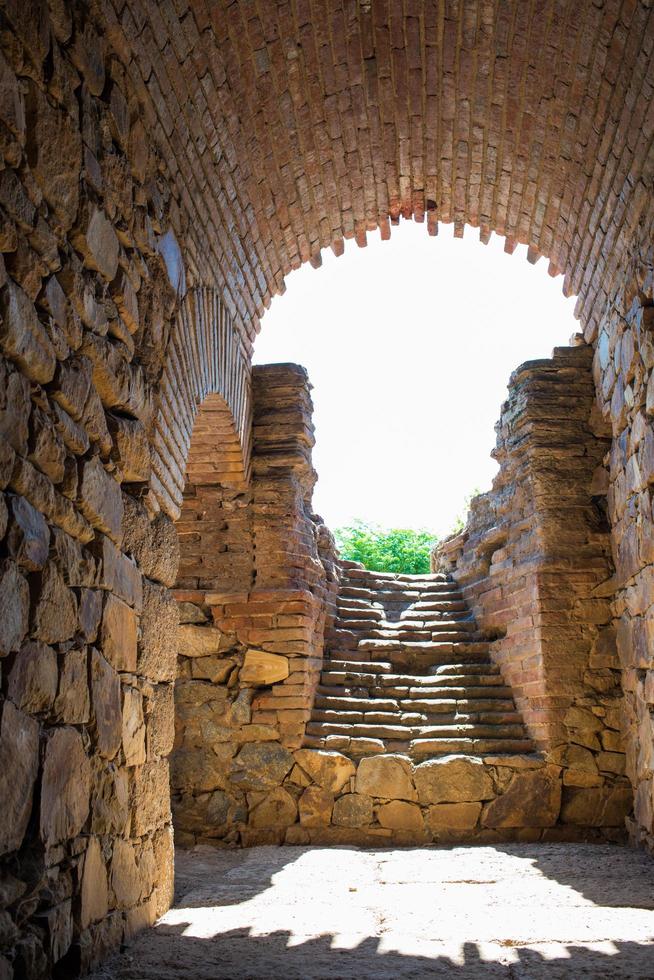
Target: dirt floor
x=517, y=911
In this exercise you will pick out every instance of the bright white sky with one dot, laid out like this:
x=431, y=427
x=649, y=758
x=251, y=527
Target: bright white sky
x=409, y=345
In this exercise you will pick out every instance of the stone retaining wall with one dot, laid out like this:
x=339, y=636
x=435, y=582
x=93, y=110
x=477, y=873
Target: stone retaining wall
x=320, y=797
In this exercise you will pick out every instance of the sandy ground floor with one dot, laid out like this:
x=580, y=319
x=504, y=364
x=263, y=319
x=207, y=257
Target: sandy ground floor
x=517, y=911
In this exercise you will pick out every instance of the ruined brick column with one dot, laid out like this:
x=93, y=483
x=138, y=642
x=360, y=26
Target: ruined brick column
x=256, y=590
x=534, y=561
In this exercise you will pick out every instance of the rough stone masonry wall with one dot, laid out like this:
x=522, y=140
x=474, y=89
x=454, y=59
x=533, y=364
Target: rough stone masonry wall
x=623, y=369
x=256, y=588
x=534, y=562
x=86, y=617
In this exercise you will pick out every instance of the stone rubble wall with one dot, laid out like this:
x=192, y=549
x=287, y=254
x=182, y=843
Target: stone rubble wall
x=250, y=657
x=315, y=796
x=623, y=371
x=98, y=381
x=534, y=562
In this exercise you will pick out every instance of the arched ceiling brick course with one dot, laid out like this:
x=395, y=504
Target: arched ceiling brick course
x=290, y=126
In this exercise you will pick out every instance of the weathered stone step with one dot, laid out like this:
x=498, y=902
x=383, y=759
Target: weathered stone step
x=381, y=595
x=424, y=748
x=394, y=728
x=489, y=669
x=337, y=702
x=425, y=578
x=427, y=723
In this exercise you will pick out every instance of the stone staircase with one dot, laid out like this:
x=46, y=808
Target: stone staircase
x=406, y=671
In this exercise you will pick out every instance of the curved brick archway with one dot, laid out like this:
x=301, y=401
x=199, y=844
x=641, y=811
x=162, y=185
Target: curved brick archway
x=254, y=135
x=299, y=125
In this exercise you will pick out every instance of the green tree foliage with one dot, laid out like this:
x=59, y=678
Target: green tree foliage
x=386, y=549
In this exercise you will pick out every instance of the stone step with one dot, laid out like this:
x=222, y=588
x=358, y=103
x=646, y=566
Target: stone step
x=425, y=748
x=499, y=706
x=392, y=729
x=385, y=594
x=403, y=683
x=489, y=669
x=498, y=720
x=357, y=747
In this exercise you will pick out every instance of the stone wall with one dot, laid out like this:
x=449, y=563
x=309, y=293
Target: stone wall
x=534, y=562
x=256, y=590
x=86, y=617
x=623, y=369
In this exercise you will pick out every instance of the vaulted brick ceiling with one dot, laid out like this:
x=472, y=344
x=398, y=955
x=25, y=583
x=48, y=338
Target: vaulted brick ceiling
x=289, y=126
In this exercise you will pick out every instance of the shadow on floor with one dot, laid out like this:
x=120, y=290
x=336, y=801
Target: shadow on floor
x=237, y=955
x=515, y=911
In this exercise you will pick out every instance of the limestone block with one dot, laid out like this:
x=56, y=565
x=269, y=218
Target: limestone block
x=96, y=240
x=46, y=446
x=388, y=777
x=150, y=797
x=100, y=499
x=59, y=928
x=22, y=337
x=15, y=411
x=12, y=108
x=90, y=613
x=398, y=815
x=131, y=451
x=14, y=607
x=33, y=678
x=76, y=441
x=124, y=874
x=55, y=614
x=453, y=779
x=54, y=153
x=133, y=727
x=533, y=799
x=110, y=802
x=16, y=202
x=19, y=764
x=331, y=770
x=597, y=806
x=118, y=634
x=155, y=545
x=95, y=423
x=117, y=572
x=453, y=816
x=28, y=541
x=216, y=669
x=160, y=714
x=352, y=810
x=94, y=898
x=163, y=857
x=76, y=564
x=71, y=385
x=124, y=296
x=203, y=641
x=315, y=807
x=65, y=787
x=261, y=765
x=277, y=809
x=261, y=668
x=72, y=704
x=157, y=652
x=105, y=695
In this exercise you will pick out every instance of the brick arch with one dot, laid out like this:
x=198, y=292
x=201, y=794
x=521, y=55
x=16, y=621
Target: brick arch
x=292, y=126
x=202, y=426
